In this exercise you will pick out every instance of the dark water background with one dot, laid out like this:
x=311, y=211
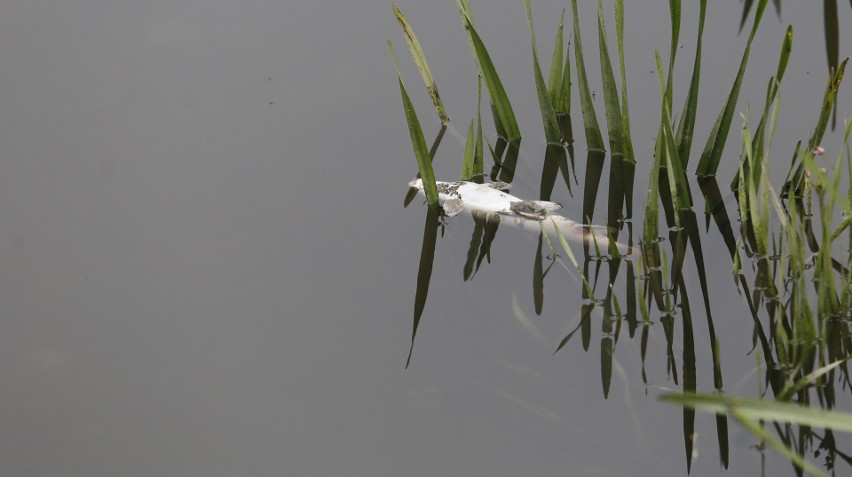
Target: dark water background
x=206, y=268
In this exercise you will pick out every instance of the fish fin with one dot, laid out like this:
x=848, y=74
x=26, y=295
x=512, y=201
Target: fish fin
x=545, y=205
x=452, y=207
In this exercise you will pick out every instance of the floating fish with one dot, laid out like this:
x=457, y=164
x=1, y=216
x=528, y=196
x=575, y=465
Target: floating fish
x=492, y=198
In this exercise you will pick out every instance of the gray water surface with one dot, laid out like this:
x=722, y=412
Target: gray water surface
x=206, y=268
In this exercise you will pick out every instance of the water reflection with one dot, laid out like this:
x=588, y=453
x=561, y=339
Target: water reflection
x=648, y=286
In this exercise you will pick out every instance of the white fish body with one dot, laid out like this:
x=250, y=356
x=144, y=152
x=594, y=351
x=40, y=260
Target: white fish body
x=491, y=198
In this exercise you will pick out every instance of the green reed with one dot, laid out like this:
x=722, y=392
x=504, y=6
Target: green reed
x=785, y=261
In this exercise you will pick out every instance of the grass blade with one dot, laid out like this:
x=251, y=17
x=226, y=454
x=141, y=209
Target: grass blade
x=421, y=152
x=551, y=126
x=422, y=65
x=759, y=409
x=590, y=120
x=712, y=155
x=686, y=125
x=610, y=93
x=499, y=100
x=554, y=80
x=467, y=159
x=629, y=156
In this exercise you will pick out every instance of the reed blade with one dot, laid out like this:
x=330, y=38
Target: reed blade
x=594, y=140
x=554, y=79
x=467, y=158
x=610, y=92
x=686, y=126
x=629, y=155
x=712, y=154
x=421, y=152
x=499, y=99
x=552, y=131
x=420, y=59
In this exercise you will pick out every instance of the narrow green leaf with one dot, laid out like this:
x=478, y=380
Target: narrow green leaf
x=564, y=106
x=629, y=155
x=712, y=155
x=686, y=125
x=610, y=93
x=496, y=92
x=467, y=160
x=554, y=80
x=676, y=176
x=590, y=120
x=834, y=81
x=479, y=150
x=421, y=152
x=551, y=126
x=422, y=65
x=759, y=409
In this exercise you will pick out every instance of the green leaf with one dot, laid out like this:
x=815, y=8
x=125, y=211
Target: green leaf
x=554, y=81
x=610, y=93
x=467, y=161
x=629, y=156
x=590, y=120
x=712, y=154
x=551, y=126
x=686, y=125
x=422, y=65
x=499, y=100
x=421, y=152
x=759, y=409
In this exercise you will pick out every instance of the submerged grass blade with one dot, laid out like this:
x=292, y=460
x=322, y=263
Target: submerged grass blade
x=499, y=100
x=551, y=126
x=712, y=154
x=590, y=120
x=422, y=65
x=421, y=152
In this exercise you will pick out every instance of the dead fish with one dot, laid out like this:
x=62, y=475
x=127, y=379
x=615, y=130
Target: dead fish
x=492, y=198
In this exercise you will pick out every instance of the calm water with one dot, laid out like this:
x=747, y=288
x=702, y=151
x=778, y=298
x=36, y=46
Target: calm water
x=206, y=267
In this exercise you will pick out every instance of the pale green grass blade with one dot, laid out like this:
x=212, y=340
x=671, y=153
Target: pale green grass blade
x=467, y=160
x=686, y=126
x=827, y=105
x=629, y=155
x=712, y=154
x=759, y=409
x=809, y=379
x=421, y=152
x=496, y=92
x=551, y=126
x=422, y=65
x=610, y=92
x=571, y=257
x=590, y=120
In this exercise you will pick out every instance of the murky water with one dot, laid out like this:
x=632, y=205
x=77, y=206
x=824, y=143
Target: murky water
x=206, y=267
